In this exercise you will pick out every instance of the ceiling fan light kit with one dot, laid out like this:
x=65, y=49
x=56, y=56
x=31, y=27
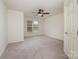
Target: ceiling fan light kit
x=41, y=13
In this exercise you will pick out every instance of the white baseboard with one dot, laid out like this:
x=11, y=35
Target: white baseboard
x=15, y=42
x=33, y=35
x=54, y=37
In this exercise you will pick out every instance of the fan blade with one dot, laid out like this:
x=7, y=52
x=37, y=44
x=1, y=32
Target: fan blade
x=39, y=10
x=46, y=13
x=42, y=10
x=42, y=15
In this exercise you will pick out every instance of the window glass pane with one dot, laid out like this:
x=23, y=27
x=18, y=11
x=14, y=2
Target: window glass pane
x=35, y=28
x=29, y=26
x=29, y=21
x=35, y=22
x=29, y=29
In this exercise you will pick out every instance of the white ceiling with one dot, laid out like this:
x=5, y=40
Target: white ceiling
x=28, y=6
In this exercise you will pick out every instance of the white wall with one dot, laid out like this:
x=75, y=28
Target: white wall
x=15, y=26
x=40, y=30
x=3, y=27
x=54, y=26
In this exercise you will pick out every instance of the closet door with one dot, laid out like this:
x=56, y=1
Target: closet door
x=70, y=28
x=15, y=26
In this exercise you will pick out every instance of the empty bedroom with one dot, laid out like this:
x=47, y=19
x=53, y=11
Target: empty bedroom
x=38, y=29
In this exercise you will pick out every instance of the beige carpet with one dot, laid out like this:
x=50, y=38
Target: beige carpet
x=39, y=47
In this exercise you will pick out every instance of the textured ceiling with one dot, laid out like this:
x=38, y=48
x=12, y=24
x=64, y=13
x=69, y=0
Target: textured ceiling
x=28, y=6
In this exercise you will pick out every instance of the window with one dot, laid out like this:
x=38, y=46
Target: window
x=32, y=26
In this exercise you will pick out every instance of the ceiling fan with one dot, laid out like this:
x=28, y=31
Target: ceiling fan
x=41, y=12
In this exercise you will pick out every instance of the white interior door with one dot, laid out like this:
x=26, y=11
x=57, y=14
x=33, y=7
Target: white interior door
x=70, y=28
x=15, y=26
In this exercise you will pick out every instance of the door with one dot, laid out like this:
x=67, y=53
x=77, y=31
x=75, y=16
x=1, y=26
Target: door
x=15, y=26
x=70, y=28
